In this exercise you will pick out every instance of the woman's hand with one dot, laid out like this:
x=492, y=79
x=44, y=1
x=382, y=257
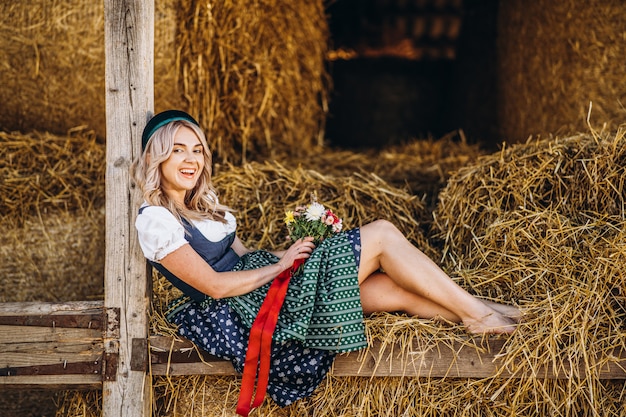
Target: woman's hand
x=300, y=249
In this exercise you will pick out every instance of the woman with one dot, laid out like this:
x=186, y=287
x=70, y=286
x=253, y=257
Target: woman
x=189, y=236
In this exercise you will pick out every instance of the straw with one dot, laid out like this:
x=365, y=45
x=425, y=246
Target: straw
x=554, y=59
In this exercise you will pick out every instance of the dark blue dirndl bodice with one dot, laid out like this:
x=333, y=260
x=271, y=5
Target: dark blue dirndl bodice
x=219, y=255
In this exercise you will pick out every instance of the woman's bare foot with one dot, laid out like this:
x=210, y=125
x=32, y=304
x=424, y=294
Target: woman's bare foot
x=509, y=311
x=493, y=323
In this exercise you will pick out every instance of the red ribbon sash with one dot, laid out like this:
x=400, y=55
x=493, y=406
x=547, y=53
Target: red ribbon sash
x=260, y=343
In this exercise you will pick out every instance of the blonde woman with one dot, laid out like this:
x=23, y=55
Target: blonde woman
x=190, y=237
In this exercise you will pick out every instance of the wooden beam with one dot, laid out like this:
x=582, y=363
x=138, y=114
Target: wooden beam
x=181, y=357
x=477, y=358
x=129, y=83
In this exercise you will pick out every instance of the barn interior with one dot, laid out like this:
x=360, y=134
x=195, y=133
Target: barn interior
x=504, y=115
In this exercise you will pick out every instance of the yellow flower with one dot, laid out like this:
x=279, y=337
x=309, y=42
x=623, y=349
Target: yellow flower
x=289, y=218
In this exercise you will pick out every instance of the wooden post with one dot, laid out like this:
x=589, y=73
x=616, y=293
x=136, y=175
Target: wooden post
x=129, y=84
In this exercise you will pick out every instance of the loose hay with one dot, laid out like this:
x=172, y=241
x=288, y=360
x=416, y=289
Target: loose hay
x=425, y=165
x=393, y=397
x=421, y=166
x=43, y=174
x=263, y=192
x=544, y=224
x=80, y=404
x=51, y=210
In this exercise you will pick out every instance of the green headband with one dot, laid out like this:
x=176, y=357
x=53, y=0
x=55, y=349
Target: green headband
x=161, y=119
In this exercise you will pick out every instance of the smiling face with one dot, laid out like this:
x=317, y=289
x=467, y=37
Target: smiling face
x=181, y=171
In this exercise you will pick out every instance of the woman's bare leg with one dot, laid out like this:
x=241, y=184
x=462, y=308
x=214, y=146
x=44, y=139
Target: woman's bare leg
x=379, y=293
x=384, y=246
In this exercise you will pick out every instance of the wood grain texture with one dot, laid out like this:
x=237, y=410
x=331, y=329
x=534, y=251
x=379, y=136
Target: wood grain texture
x=129, y=80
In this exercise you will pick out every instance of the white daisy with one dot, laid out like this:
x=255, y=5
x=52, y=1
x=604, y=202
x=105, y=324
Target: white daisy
x=314, y=211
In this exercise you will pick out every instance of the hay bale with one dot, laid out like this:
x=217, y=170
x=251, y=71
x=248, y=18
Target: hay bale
x=52, y=68
x=554, y=58
x=421, y=167
x=424, y=166
x=263, y=192
x=571, y=181
x=53, y=258
x=254, y=73
x=52, y=187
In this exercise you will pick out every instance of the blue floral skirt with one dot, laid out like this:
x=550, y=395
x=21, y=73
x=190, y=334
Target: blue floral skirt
x=296, y=370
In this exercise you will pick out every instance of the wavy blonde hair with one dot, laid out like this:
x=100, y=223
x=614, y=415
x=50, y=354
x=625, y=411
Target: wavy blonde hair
x=201, y=202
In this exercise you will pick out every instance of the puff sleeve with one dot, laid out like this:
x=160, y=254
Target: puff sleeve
x=160, y=233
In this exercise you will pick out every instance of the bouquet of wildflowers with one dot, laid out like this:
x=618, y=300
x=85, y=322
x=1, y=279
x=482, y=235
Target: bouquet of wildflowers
x=313, y=220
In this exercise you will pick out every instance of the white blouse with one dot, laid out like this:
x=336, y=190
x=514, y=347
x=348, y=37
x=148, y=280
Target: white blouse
x=160, y=233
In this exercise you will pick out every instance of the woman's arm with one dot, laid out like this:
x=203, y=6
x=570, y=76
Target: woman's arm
x=239, y=247
x=188, y=266
x=241, y=250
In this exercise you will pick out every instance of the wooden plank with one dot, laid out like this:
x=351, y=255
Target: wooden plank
x=61, y=346
x=33, y=334
x=456, y=360
x=52, y=382
x=129, y=83
x=93, y=321
x=180, y=357
x=475, y=359
x=44, y=309
x=16, y=360
x=91, y=367
x=439, y=360
x=209, y=367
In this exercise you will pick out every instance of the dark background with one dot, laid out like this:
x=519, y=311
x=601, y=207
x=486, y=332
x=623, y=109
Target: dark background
x=445, y=80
